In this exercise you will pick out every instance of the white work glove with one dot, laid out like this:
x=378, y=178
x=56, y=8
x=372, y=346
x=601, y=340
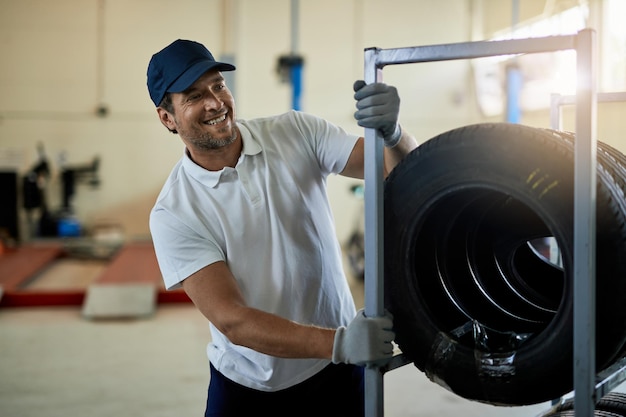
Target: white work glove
x=378, y=107
x=366, y=340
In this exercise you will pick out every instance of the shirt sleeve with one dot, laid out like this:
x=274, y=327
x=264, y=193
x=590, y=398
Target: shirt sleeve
x=180, y=250
x=331, y=144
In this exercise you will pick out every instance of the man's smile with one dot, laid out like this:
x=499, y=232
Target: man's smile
x=216, y=120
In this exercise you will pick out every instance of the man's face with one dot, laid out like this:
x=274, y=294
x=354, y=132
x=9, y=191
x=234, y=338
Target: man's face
x=204, y=114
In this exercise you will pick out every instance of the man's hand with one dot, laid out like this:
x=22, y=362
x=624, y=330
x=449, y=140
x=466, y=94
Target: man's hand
x=378, y=107
x=366, y=340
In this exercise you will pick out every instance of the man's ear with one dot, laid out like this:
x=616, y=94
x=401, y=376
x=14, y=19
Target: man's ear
x=166, y=118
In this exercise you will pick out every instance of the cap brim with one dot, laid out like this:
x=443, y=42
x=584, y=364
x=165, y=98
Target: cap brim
x=194, y=72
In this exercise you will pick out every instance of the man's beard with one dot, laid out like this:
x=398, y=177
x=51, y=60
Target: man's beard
x=206, y=141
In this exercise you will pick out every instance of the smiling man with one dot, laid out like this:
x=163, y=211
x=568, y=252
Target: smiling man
x=243, y=224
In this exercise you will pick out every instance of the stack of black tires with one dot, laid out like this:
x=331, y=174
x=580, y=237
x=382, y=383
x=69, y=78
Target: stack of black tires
x=479, y=240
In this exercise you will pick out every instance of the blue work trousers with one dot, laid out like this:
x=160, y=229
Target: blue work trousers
x=336, y=391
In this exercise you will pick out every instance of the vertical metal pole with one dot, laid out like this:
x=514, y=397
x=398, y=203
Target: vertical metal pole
x=374, y=262
x=584, y=227
x=296, y=68
x=100, y=53
x=229, y=42
x=555, y=111
x=513, y=76
x=513, y=90
x=296, y=86
x=295, y=27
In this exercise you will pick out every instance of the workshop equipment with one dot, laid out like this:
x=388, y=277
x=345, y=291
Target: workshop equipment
x=44, y=222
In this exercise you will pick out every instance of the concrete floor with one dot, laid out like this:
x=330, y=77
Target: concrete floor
x=55, y=363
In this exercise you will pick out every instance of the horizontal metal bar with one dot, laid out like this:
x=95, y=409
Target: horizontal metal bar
x=470, y=50
x=602, y=97
x=396, y=362
x=557, y=101
x=611, y=378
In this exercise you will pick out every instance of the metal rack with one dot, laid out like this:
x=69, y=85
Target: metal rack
x=559, y=100
x=583, y=43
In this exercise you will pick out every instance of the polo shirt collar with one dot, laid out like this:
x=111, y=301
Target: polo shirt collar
x=212, y=178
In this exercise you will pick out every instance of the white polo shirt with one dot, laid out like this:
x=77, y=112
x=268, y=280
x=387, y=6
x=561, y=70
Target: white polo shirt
x=270, y=220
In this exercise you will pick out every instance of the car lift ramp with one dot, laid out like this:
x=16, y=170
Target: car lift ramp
x=586, y=390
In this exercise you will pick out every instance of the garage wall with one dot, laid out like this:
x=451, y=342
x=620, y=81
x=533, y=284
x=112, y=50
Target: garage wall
x=63, y=59
x=497, y=16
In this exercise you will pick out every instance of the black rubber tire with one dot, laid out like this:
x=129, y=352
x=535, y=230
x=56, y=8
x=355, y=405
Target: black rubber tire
x=613, y=162
x=572, y=413
x=474, y=306
x=614, y=402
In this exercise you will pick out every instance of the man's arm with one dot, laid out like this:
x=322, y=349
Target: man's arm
x=216, y=294
x=391, y=156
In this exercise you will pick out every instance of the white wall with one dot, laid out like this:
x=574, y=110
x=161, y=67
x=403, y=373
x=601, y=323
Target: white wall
x=63, y=58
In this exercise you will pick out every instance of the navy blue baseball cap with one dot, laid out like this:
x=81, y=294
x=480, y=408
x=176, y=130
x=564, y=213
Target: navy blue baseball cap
x=177, y=66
